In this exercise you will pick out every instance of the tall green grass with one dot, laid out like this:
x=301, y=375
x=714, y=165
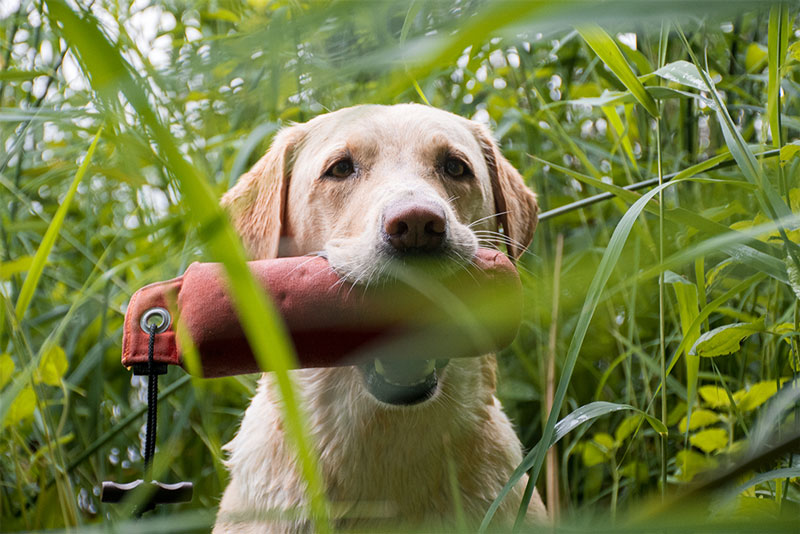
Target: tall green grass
x=585, y=98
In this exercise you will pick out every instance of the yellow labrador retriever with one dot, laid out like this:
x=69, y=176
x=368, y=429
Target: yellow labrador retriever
x=365, y=186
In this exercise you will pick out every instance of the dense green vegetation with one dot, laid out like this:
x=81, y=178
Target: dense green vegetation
x=123, y=122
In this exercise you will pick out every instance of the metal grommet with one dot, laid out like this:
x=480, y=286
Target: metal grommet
x=155, y=313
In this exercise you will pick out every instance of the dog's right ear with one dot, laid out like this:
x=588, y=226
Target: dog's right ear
x=257, y=203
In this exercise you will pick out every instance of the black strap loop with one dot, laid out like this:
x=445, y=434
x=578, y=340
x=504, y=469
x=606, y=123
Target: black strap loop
x=152, y=404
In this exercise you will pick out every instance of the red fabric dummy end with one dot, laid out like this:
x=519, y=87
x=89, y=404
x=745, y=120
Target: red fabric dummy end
x=331, y=322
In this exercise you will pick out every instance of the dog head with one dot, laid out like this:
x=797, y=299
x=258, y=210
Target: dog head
x=375, y=187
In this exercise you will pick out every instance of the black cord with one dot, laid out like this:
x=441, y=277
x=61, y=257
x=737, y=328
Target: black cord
x=152, y=403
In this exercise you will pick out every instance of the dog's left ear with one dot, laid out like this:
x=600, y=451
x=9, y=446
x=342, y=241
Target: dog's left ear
x=515, y=204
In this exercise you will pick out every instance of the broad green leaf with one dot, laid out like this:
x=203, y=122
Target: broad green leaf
x=700, y=418
x=49, y=239
x=691, y=463
x=16, y=266
x=710, y=440
x=684, y=73
x=784, y=328
x=788, y=152
x=6, y=369
x=725, y=339
x=22, y=408
x=794, y=51
x=755, y=58
x=52, y=365
x=627, y=426
x=715, y=396
x=757, y=394
x=608, y=51
x=598, y=449
x=613, y=98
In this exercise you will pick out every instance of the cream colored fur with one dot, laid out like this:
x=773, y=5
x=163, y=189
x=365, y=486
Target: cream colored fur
x=384, y=466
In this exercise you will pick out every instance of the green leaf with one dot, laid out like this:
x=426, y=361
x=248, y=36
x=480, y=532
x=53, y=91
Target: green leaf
x=684, y=73
x=749, y=399
x=608, y=51
x=6, y=369
x=49, y=239
x=636, y=470
x=22, y=408
x=715, y=396
x=725, y=339
x=597, y=450
x=700, y=418
x=788, y=152
x=710, y=440
x=52, y=365
x=691, y=463
x=12, y=267
x=627, y=426
x=794, y=51
x=755, y=58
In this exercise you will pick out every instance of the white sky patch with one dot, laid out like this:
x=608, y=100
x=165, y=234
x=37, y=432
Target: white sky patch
x=482, y=117
x=155, y=199
x=628, y=39
x=72, y=73
x=144, y=26
x=8, y=8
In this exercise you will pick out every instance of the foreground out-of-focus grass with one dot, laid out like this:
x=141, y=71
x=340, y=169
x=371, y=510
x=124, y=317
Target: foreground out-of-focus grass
x=700, y=391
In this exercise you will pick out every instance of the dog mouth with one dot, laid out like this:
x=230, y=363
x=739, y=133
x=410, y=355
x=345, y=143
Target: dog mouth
x=402, y=383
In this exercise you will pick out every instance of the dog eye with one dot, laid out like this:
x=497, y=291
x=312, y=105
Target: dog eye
x=456, y=168
x=341, y=169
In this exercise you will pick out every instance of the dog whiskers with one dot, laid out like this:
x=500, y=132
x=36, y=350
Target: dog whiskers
x=473, y=223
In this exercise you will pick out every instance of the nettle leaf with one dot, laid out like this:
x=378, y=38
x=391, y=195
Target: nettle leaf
x=700, y=418
x=53, y=365
x=690, y=463
x=789, y=151
x=22, y=408
x=598, y=449
x=725, y=339
x=757, y=394
x=782, y=329
x=710, y=440
x=715, y=396
x=6, y=369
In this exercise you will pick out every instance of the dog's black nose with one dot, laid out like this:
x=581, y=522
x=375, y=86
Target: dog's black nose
x=414, y=227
